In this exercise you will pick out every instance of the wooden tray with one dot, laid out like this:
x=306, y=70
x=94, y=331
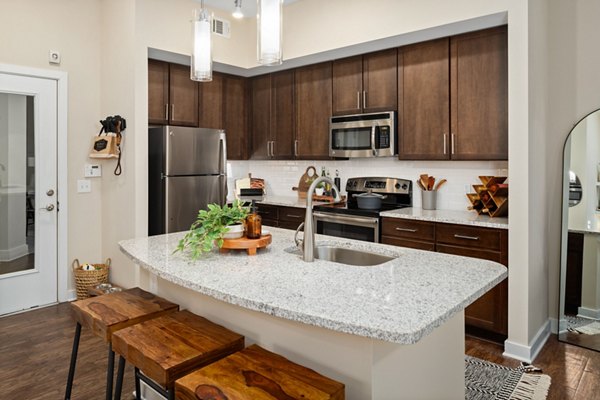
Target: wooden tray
x=243, y=243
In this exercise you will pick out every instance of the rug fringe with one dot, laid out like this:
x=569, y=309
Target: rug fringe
x=531, y=387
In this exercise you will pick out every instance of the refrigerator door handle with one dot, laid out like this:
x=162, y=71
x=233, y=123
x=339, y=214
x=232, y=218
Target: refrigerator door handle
x=222, y=156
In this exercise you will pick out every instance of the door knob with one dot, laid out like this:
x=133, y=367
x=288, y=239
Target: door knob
x=50, y=192
x=49, y=207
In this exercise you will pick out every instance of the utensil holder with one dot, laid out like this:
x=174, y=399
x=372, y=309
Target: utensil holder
x=429, y=199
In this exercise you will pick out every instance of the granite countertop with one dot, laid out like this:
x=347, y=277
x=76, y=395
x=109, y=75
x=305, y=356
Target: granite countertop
x=399, y=301
x=287, y=201
x=448, y=216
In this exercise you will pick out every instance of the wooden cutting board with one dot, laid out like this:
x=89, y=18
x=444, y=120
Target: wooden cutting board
x=305, y=181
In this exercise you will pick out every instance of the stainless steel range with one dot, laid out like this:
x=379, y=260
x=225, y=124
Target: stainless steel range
x=353, y=222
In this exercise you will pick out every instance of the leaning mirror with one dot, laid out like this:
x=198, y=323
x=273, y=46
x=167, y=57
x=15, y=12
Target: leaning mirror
x=579, y=314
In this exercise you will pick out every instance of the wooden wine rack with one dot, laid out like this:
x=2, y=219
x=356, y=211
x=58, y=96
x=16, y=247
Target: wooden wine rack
x=491, y=197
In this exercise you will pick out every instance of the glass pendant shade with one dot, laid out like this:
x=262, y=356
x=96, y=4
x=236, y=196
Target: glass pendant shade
x=268, y=20
x=201, y=63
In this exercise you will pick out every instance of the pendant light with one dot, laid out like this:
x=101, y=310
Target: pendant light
x=237, y=13
x=201, y=62
x=268, y=21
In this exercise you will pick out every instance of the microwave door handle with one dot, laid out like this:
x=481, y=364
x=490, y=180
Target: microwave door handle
x=373, y=132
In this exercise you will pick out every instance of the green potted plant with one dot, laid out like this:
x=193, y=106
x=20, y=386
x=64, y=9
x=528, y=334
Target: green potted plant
x=212, y=226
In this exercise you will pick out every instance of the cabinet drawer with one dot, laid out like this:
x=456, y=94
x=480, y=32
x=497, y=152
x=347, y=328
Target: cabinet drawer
x=469, y=236
x=408, y=229
x=413, y=244
x=292, y=214
x=268, y=212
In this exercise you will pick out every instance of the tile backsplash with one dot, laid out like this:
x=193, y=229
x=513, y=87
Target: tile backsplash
x=281, y=176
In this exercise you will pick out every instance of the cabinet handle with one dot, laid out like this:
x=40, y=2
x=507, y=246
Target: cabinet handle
x=358, y=100
x=272, y=148
x=452, y=141
x=268, y=148
x=172, y=111
x=296, y=148
x=364, y=99
x=406, y=230
x=445, y=143
x=466, y=237
x=167, y=112
x=293, y=216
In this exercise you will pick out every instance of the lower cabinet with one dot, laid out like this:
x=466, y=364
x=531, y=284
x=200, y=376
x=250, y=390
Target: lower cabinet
x=281, y=216
x=488, y=316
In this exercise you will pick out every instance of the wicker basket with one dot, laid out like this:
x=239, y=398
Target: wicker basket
x=85, y=279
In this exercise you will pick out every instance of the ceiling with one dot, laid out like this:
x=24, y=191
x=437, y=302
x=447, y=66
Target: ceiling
x=248, y=6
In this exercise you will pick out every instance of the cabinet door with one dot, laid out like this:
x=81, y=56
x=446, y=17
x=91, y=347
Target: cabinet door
x=490, y=311
x=183, y=96
x=379, y=81
x=158, y=92
x=261, y=117
x=347, y=86
x=282, y=115
x=408, y=229
x=479, y=95
x=424, y=101
x=312, y=101
x=235, y=112
x=210, y=113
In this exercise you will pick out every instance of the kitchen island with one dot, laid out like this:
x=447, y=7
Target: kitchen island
x=390, y=331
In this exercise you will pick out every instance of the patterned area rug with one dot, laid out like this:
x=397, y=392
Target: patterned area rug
x=488, y=381
x=586, y=326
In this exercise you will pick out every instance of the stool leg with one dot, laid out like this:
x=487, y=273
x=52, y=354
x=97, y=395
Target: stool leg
x=73, y=361
x=120, y=371
x=109, y=372
x=171, y=393
x=138, y=387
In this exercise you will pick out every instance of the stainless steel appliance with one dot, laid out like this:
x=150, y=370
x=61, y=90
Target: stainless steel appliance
x=363, y=135
x=186, y=171
x=575, y=190
x=353, y=222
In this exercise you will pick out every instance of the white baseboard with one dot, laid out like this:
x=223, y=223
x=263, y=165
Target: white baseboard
x=588, y=313
x=555, y=325
x=530, y=352
x=14, y=252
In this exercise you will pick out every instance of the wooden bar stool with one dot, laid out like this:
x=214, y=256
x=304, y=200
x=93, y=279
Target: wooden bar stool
x=257, y=374
x=108, y=313
x=166, y=348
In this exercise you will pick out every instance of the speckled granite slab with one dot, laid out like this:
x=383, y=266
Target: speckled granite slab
x=399, y=301
x=448, y=216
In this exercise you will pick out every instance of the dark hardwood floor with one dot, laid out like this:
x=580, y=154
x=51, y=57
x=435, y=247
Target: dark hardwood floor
x=35, y=348
x=575, y=371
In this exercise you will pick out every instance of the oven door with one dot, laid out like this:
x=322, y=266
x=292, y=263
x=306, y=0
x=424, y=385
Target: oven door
x=347, y=226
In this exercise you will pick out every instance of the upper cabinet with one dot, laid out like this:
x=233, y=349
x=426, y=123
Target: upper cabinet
x=453, y=98
x=365, y=83
x=172, y=95
x=272, y=116
x=235, y=116
x=210, y=103
x=312, y=94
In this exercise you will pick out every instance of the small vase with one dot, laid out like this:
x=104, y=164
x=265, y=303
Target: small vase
x=319, y=191
x=235, y=232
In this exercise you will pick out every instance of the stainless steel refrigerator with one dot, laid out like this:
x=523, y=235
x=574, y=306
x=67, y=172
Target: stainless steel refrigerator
x=186, y=171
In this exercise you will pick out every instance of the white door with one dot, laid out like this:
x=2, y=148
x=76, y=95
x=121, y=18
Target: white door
x=28, y=185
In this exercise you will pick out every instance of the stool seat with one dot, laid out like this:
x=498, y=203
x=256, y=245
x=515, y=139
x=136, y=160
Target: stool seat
x=168, y=347
x=108, y=313
x=257, y=374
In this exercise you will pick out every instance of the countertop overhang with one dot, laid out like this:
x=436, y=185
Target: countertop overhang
x=400, y=301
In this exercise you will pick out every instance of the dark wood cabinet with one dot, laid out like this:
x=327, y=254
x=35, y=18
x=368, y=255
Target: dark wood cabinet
x=235, y=116
x=281, y=216
x=172, y=95
x=312, y=105
x=488, y=316
x=424, y=101
x=272, y=116
x=210, y=114
x=574, y=276
x=269, y=214
x=479, y=95
x=453, y=98
x=365, y=83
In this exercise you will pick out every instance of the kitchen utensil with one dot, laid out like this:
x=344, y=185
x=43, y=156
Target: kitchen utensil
x=424, y=179
x=440, y=184
x=429, y=199
x=369, y=200
x=430, y=183
x=421, y=185
x=305, y=181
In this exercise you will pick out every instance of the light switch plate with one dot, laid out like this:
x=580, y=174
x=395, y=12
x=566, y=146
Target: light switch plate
x=84, y=186
x=92, y=170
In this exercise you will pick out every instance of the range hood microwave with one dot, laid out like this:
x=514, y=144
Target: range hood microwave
x=363, y=135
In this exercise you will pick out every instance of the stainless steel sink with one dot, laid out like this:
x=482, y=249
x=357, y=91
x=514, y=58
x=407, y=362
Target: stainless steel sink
x=349, y=256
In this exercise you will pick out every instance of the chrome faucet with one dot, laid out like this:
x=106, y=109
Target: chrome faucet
x=308, y=243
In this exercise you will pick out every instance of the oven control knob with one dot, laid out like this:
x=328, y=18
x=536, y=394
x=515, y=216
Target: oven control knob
x=405, y=186
x=397, y=186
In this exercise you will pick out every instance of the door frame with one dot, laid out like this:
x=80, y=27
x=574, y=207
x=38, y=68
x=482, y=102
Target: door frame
x=61, y=78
